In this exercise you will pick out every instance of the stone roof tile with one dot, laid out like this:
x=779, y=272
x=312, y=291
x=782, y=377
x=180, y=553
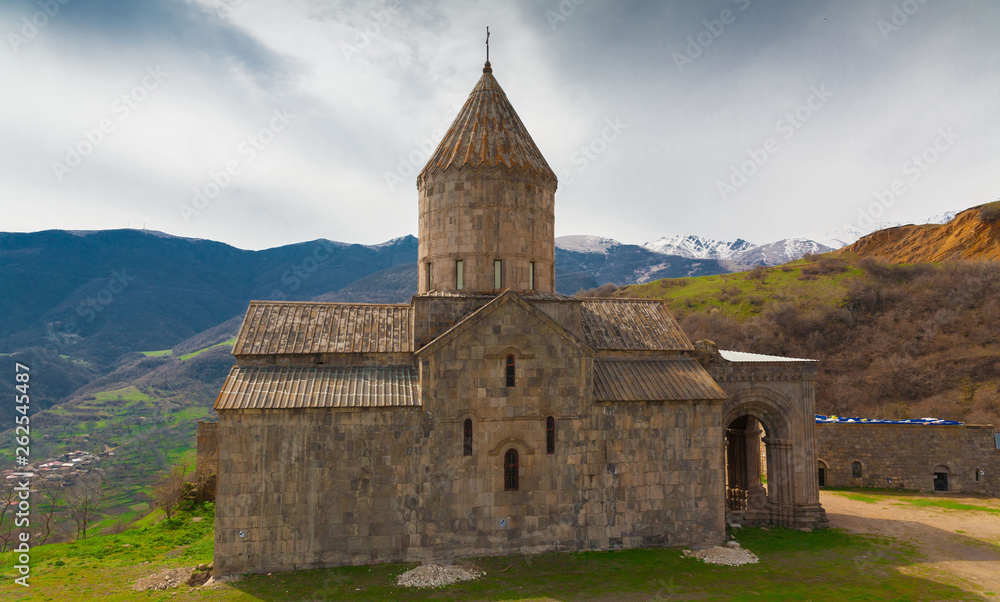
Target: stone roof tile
x=653, y=380
x=276, y=328
x=632, y=325
x=274, y=387
x=488, y=133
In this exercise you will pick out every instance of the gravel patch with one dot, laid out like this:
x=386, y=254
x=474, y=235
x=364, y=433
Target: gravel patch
x=165, y=579
x=435, y=575
x=727, y=556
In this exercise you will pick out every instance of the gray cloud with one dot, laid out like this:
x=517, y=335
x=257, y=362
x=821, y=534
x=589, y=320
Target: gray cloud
x=697, y=89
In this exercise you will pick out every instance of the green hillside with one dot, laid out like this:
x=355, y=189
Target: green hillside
x=804, y=283
x=140, y=420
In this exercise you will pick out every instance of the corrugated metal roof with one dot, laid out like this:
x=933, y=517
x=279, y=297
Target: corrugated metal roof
x=272, y=327
x=273, y=387
x=653, y=380
x=487, y=132
x=743, y=356
x=632, y=325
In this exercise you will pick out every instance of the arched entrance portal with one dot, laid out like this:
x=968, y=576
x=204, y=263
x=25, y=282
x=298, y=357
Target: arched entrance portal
x=753, y=451
x=767, y=433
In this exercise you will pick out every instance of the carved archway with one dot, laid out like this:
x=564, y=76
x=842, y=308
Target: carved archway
x=753, y=417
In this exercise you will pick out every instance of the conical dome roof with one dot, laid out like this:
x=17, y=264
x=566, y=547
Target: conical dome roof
x=488, y=132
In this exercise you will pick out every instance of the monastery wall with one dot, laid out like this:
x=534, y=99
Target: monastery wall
x=317, y=488
x=306, y=489
x=908, y=454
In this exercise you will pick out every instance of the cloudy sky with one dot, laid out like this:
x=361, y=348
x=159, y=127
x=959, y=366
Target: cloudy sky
x=266, y=122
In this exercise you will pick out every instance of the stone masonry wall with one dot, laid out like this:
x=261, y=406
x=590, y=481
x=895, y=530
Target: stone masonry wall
x=908, y=454
x=307, y=489
x=207, y=458
x=482, y=214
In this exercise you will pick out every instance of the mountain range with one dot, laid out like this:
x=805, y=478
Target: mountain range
x=733, y=256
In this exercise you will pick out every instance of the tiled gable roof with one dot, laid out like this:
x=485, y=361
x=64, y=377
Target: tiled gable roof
x=507, y=296
x=631, y=325
x=274, y=387
x=653, y=380
x=272, y=327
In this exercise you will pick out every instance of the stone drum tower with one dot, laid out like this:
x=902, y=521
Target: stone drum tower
x=487, y=203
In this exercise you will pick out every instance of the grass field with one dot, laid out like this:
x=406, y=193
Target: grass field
x=745, y=294
x=823, y=565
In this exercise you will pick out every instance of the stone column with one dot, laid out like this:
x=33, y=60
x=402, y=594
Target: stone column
x=756, y=493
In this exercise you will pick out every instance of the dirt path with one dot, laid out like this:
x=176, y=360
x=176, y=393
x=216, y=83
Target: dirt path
x=960, y=547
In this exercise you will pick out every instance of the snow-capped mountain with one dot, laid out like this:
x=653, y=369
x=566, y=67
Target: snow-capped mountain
x=944, y=218
x=740, y=252
x=735, y=255
x=779, y=252
x=696, y=247
x=850, y=233
x=585, y=243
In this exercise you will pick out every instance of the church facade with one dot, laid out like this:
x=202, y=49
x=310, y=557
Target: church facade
x=491, y=415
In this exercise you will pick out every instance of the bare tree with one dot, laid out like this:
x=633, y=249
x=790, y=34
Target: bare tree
x=169, y=491
x=85, y=500
x=8, y=508
x=51, y=494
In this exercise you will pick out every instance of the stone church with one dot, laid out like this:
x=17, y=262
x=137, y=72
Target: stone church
x=491, y=415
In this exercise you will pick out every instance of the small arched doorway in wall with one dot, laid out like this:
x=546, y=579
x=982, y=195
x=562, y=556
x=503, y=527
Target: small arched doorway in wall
x=941, y=473
x=822, y=470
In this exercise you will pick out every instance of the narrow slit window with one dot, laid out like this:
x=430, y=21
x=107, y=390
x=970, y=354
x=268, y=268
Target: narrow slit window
x=550, y=435
x=510, y=470
x=467, y=437
x=459, y=275
x=510, y=370
x=531, y=275
x=497, y=274
x=430, y=281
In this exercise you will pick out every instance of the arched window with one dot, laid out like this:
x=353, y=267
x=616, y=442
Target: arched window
x=856, y=470
x=510, y=370
x=550, y=435
x=467, y=437
x=510, y=470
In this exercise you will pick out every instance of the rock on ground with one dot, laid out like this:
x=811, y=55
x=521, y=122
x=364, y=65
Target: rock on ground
x=435, y=575
x=164, y=579
x=726, y=556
